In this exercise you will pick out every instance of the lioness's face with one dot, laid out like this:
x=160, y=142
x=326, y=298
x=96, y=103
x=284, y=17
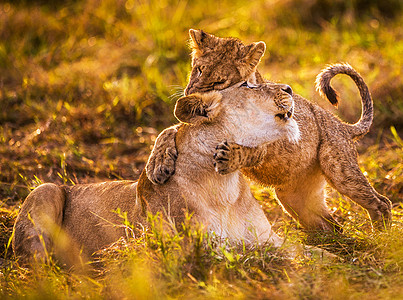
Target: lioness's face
x=249, y=114
x=259, y=113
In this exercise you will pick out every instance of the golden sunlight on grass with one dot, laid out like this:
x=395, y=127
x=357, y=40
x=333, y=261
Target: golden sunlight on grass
x=86, y=86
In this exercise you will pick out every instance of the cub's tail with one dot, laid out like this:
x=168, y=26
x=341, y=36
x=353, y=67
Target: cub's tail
x=323, y=86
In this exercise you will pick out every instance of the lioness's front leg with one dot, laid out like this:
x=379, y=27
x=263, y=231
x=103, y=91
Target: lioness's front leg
x=161, y=163
x=230, y=157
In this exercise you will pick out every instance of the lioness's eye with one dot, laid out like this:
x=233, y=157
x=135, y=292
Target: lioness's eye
x=199, y=71
x=246, y=84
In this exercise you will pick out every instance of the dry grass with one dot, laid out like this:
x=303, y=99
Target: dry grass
x=86, y=86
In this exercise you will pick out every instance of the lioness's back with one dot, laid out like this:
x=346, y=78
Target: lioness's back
x=75, y=209
x=96, y=208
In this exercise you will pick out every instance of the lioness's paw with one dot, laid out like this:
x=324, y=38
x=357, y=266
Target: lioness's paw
x=164, y=167
x=226, y=159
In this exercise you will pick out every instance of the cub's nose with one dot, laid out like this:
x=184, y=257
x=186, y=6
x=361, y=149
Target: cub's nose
x=287, y=89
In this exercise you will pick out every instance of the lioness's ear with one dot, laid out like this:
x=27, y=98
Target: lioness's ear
x=201, y=41
x=190, y=108
x=197, y=108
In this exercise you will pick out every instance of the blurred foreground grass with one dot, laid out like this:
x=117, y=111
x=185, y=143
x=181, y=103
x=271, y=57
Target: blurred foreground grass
x=86, y=86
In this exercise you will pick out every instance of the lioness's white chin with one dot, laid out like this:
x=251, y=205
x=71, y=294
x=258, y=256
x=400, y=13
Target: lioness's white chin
x=293, y=133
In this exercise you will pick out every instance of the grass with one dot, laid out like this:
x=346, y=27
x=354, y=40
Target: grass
x=87, y=85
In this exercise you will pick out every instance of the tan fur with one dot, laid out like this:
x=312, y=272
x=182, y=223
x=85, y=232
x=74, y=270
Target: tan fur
x=299, y=172
x=84, y=214
x=220, y=62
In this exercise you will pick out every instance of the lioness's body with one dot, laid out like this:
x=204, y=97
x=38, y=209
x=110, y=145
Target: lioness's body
x=299, y=172
x=84, y=212
x=224, y=204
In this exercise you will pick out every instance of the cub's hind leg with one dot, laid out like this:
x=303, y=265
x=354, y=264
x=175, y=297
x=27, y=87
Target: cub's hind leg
x=340, y=167
x=305, y=201
x=38, y=222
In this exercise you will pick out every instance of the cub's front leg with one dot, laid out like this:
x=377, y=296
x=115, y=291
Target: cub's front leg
x=230, y=157
x=161, y=163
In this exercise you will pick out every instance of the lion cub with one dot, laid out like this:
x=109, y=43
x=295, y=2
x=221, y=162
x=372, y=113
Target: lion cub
x=224, y=204
x=299, y=172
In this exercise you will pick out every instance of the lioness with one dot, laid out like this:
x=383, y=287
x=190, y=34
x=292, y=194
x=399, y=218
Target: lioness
x=299, y=172
x=224, y=204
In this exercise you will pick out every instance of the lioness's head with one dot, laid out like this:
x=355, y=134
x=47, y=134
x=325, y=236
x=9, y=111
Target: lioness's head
x=249, y=114
x=218, y=63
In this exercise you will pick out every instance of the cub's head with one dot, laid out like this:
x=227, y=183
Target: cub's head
x=245, y=113
x=218, y=63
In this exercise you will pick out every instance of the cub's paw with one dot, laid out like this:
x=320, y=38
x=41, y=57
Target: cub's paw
x=381, y=220
x=226, y=158
x=163, y=167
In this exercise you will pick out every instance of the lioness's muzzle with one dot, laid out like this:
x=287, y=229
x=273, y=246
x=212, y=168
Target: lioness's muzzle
x=286, y=115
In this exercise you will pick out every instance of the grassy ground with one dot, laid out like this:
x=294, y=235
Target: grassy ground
x=86, y=86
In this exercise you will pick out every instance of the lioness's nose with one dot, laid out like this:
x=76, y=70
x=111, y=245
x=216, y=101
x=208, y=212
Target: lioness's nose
x=285, y=116
x=287, y=89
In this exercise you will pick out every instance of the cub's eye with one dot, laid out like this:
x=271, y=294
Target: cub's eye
x=199, y=71
x=219, y=82
x=245, y=84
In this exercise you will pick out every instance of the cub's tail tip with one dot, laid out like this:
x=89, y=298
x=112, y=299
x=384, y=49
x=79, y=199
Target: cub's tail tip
x=323, y=81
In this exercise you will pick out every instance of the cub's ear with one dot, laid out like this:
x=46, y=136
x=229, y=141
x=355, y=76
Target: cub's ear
x=201, y=41
x=254, y=53
x=197, y=108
